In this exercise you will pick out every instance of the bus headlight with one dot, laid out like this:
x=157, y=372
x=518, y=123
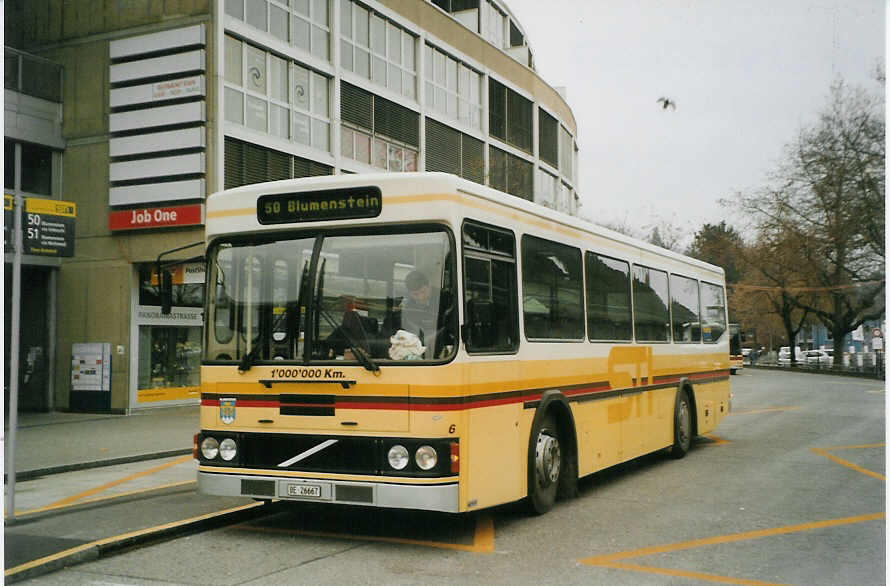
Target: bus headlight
x=228, y=449
x=426, y=457
x=209, y=448
x=398, y=457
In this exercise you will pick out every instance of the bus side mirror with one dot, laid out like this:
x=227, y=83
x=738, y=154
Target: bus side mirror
x=165, y=291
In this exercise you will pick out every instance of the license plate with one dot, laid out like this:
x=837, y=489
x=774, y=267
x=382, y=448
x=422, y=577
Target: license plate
x=304, y=490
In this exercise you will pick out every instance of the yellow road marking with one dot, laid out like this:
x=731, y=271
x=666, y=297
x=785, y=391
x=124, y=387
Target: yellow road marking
x=123, y=537
x=715, y=440
x=764, y=410
x=483, y=539
x=71, y=499
x=609, y=560
x=685, y=574
x=859, y=447
x=847, y=463
x=103, y=498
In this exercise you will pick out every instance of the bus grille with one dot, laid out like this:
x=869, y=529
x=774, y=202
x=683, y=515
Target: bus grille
x=348, y=455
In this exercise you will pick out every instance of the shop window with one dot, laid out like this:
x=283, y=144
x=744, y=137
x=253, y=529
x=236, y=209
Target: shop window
x=169, y=356
x=169, y=351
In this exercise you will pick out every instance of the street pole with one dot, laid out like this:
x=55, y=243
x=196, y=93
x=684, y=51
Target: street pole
x=15, y=331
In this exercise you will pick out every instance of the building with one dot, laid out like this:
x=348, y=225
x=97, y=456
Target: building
x=163, y=103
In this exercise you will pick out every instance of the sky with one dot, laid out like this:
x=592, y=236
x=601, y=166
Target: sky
x=745, y=78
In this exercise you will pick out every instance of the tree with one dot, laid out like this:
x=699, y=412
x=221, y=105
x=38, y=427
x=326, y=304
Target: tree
x=825, y=212
x=719, y=245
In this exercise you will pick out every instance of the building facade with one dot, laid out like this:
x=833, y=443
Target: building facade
x=163, y=103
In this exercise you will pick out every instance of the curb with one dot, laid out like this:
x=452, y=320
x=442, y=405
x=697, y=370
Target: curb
x=808, y=370
x=112, y=545
x=38, y=472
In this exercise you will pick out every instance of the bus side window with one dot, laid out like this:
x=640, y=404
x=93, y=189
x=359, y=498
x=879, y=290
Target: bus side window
x=490, y=291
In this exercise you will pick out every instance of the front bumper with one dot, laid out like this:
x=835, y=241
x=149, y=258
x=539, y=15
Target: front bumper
x=434, y=497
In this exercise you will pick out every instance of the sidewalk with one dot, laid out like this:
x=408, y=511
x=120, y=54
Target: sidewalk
x=89, y=485
x=49, y=443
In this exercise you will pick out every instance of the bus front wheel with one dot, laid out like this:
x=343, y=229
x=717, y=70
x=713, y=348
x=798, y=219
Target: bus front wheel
x=546, y=460
x=682, y=425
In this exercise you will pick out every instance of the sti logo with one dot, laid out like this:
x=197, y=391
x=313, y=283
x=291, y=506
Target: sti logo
x=227, y=410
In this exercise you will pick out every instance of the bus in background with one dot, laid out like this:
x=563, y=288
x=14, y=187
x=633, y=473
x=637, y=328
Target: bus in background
x=419, y=341
x=736, y=357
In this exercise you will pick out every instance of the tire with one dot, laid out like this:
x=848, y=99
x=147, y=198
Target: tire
x=682, y=425
x=547, y=463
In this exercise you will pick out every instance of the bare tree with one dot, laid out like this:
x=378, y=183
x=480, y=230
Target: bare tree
x=826, y=213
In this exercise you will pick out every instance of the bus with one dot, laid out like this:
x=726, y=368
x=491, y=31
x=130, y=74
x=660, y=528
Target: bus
x=546, y=348
x=736, y=357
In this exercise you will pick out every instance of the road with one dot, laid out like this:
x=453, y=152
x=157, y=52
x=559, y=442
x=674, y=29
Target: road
x=789, y=489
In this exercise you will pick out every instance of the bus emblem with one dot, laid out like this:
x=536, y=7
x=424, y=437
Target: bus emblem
x=227, y=410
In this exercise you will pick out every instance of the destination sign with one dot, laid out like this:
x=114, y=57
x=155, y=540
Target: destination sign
x=313, y=206
x=49, y=227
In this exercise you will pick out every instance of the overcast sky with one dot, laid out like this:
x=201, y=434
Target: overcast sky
x=745, y=76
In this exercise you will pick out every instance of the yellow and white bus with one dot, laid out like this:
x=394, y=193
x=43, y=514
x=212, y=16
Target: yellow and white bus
x=420, y=341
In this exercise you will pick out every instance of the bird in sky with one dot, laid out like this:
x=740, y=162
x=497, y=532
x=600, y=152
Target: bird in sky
x=666, y=103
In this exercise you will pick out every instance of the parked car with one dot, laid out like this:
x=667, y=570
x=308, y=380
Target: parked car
x=785, y=355
x=820, y=357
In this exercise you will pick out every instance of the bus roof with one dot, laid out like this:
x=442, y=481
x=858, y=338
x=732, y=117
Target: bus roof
x=420, y=183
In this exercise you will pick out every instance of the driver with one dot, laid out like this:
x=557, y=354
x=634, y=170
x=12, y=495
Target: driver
x=419, y=313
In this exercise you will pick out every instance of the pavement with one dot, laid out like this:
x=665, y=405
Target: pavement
x=50, y=443
x=90, y=484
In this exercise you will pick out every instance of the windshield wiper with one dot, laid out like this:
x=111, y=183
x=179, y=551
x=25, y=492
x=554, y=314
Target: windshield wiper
x=362, y=355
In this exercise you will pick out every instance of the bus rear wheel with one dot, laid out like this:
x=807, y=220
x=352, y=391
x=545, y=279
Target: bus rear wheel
x=682, y=425
x=547, y=462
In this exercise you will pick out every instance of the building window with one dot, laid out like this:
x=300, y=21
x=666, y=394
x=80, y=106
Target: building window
x=566, y=154
x=8, y=164
x=453, y=89
x=37, y=169
x=494, y=22
x=275, y=96
x=376, y=131
x=548, y=138
x=305, y=24
x=247, y=163
x=509, y=173
x=377, y=49
x=546, y=189
x=510, y=116
x=552, y=296
x=564, y=199
x=452, y=151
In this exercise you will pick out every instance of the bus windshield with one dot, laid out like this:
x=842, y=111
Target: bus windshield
x=366, y=298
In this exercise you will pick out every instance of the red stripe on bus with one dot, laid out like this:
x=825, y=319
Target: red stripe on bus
x=461, y=403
